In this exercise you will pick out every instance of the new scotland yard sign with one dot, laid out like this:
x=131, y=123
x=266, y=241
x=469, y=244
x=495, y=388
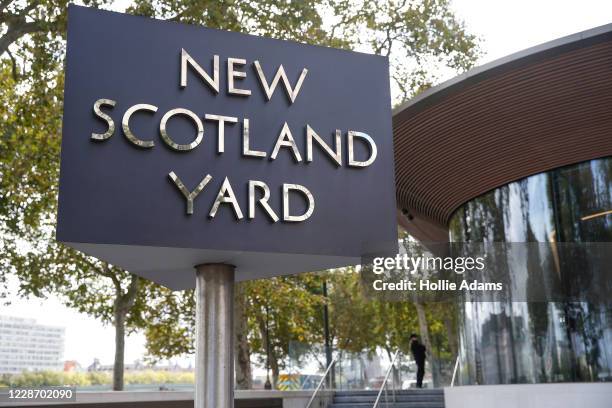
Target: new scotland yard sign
x=184, y=145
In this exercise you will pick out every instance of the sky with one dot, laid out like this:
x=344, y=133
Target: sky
x=508, y=26
x=504, y=27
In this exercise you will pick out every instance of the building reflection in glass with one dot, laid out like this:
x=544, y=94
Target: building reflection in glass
x=539, y=342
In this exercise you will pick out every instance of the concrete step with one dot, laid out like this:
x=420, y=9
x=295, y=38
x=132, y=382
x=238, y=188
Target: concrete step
x=413, y=398
x=424, y=391
x=339, y=399
x=391, y=405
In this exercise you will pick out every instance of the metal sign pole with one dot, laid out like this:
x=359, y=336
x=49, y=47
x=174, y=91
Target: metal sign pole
x=214, y=368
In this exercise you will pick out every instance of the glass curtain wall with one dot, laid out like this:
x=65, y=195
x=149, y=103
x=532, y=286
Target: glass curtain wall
x=539, y=342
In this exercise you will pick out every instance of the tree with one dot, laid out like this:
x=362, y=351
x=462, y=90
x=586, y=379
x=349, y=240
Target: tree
x=108, y=293
x=424, y=41
x=32, y=40
x=282, y=311
x=170, y=328
x=283, y=317
x=242, y=351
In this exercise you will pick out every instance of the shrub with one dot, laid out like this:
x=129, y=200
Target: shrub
x=85, y=379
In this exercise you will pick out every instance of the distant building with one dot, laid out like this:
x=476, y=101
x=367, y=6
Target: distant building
x=28, y=346
x=138, y=365
x=97, y=366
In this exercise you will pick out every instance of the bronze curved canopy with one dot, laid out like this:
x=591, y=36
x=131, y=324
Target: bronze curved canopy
x=542, y=108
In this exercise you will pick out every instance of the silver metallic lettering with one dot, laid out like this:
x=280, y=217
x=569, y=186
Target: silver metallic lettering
x=221, y=120
x=172, y=143
x=351, y=152
x=226, y=195
x=232, y=73
x=292, y=93
x=286, y=212
x=109, y=121
x=212, y=82
x=246, y=149
x=335, y=156
x=253, y=184
x=125, y=124
x=285, y=139
x=189, y=196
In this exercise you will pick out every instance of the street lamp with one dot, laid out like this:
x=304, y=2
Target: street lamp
x=268, y=384
x=328, y=349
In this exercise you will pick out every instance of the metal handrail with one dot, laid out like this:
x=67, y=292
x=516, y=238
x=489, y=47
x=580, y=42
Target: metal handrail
x=314, y=394
x=384, y=384
x=455, y=371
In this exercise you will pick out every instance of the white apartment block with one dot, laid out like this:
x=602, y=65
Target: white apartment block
x=28, y=346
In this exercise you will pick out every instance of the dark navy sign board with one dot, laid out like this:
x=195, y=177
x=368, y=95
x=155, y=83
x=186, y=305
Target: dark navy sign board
x=117, y=202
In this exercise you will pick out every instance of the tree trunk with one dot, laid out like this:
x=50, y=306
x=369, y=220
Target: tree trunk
x=118, y=367
x=424, y=330
x=122, y=306
x=364, y=373
x=271, y=357
x=275, y=370
x=451, y=333
x=244, y=380
x=394, y=372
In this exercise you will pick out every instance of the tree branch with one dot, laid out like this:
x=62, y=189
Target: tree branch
x=31, y=6
x=389, y=40
x=105, y=271
x=13, y=65
x=16, y=29
x=177, y=17
x=130, y=296
x=4, y=4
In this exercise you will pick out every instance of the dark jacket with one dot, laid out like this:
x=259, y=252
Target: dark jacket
x=418, y=352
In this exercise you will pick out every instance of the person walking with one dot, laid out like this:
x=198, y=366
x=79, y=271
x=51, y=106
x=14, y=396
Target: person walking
x=418, y=353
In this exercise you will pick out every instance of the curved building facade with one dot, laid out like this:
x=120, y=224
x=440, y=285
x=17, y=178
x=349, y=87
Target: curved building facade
x=520, y=151
x=535, y=342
